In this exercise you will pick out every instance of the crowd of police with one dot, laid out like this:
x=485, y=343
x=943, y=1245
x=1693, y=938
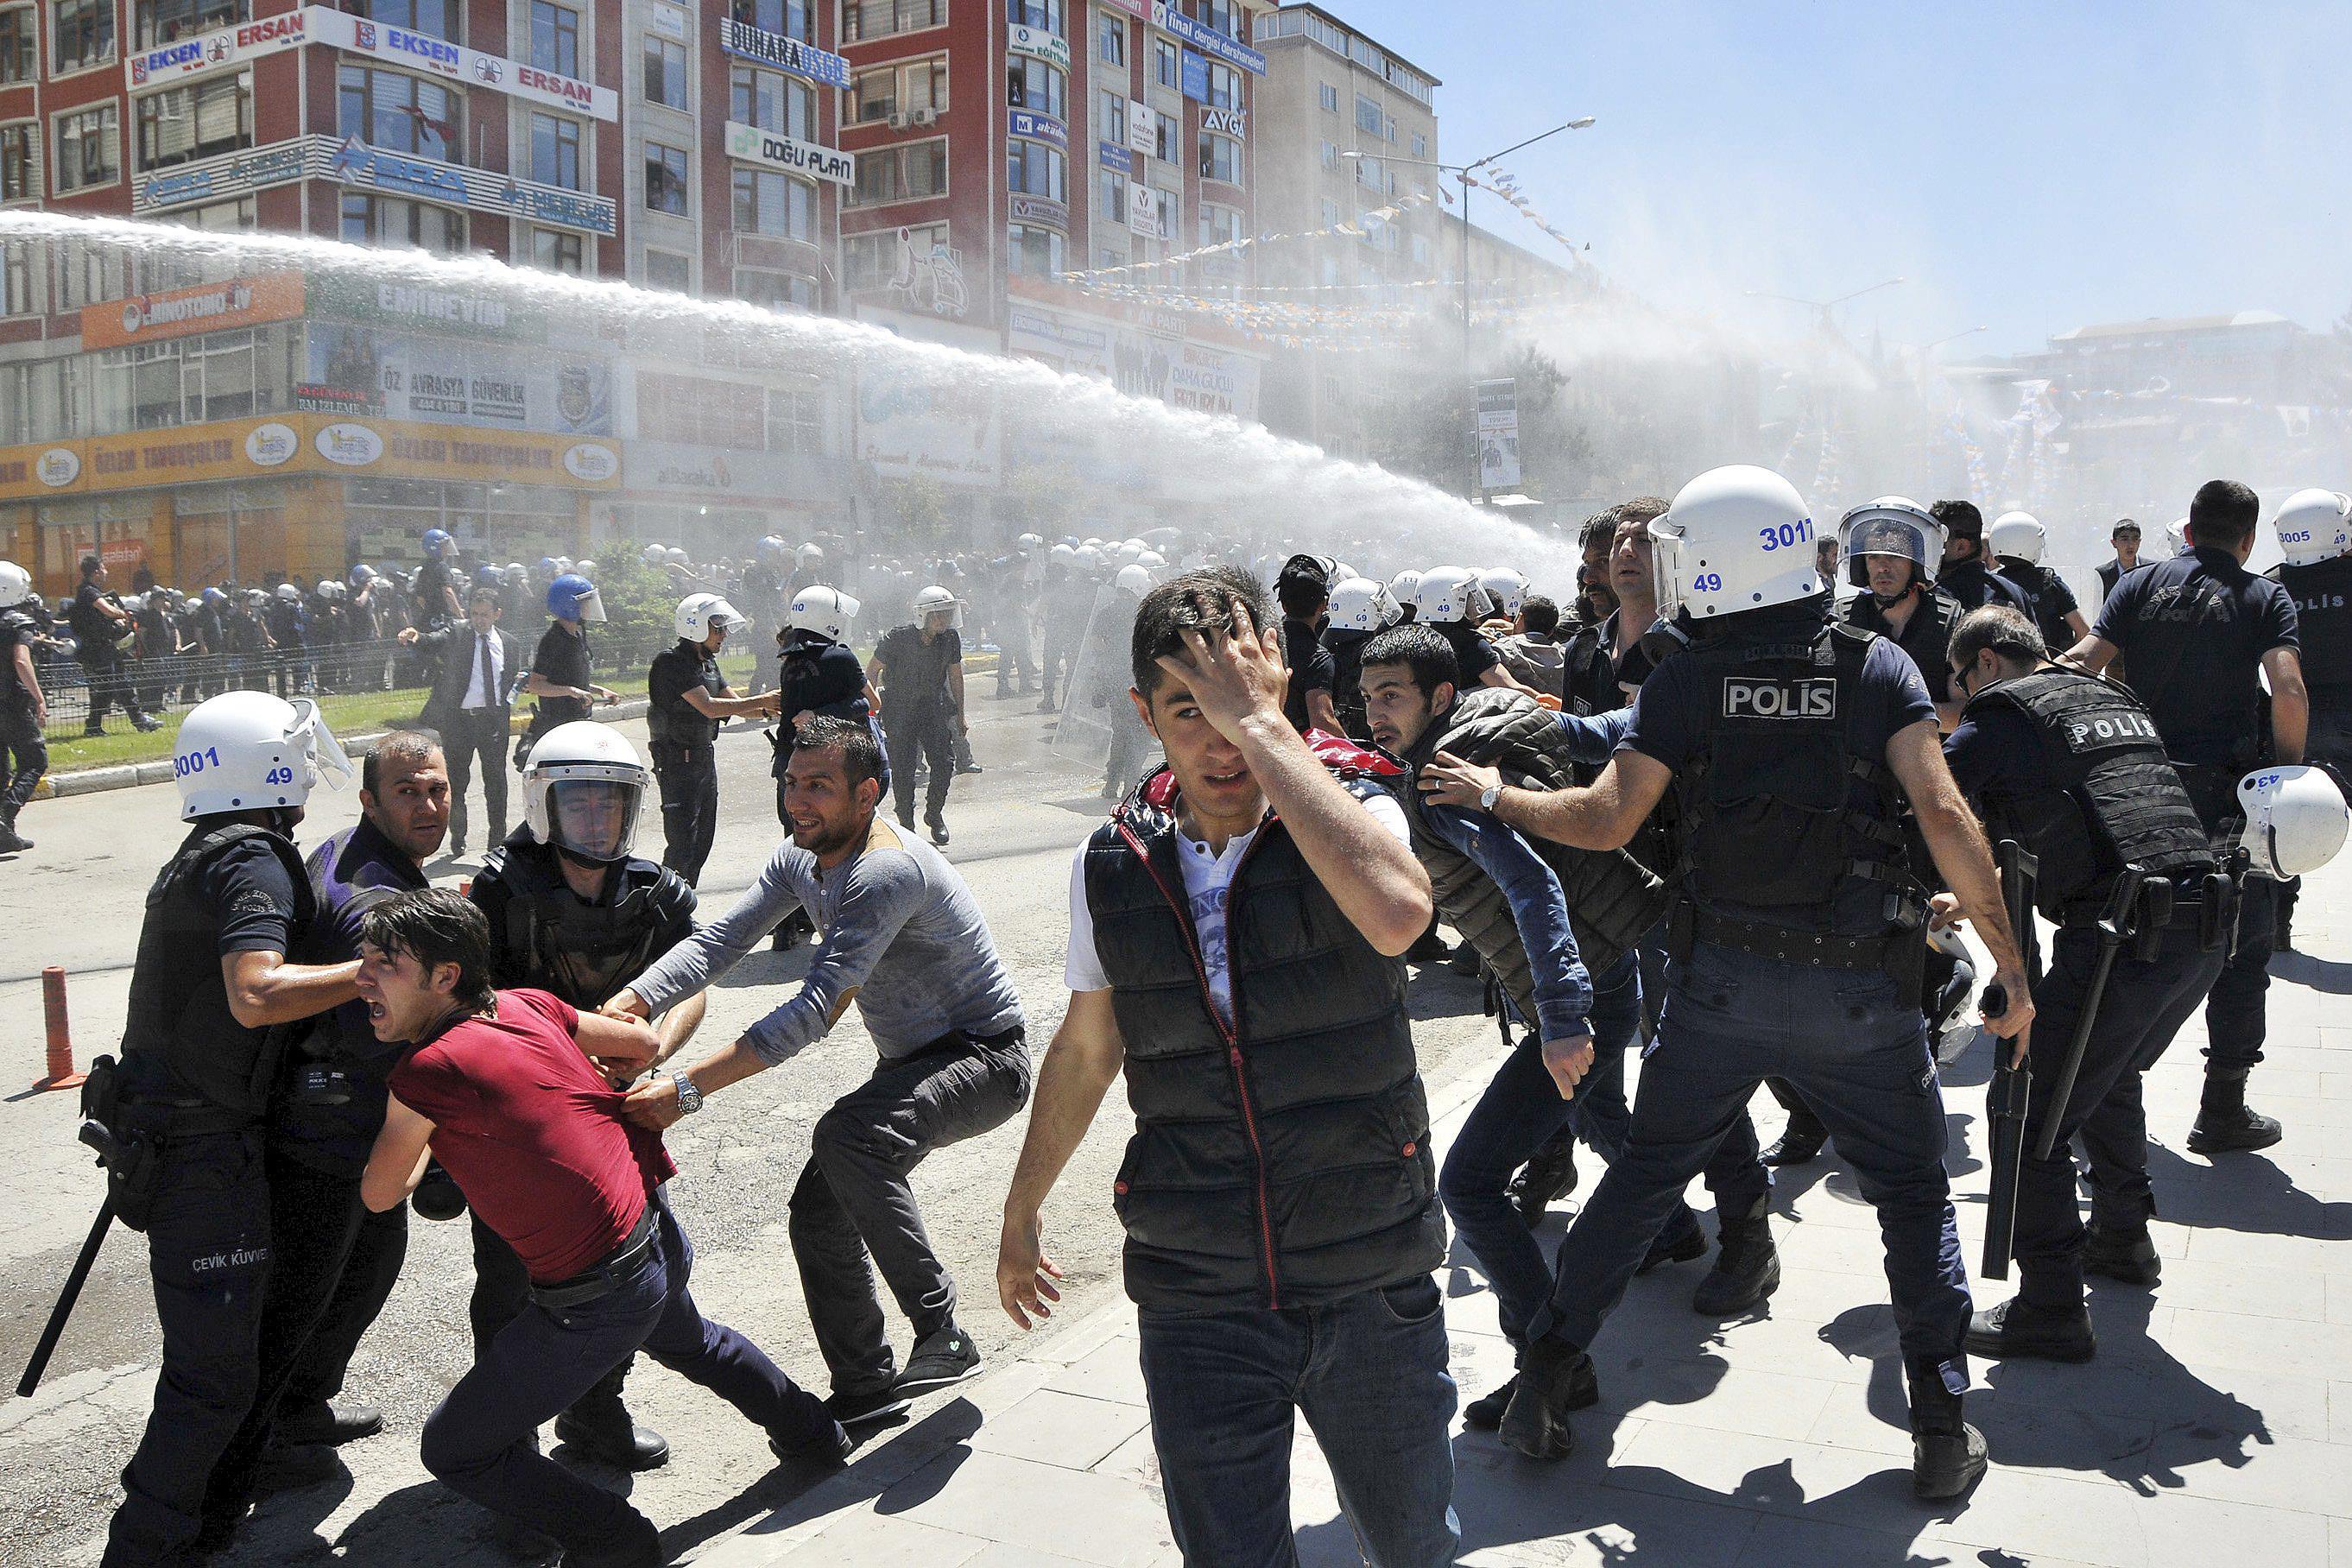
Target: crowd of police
x=1727, y=802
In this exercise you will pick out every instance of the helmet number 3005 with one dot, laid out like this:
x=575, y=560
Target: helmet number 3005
x=1780, y=536
x=194, y=762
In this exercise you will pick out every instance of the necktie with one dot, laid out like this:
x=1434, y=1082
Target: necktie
x=482, y=668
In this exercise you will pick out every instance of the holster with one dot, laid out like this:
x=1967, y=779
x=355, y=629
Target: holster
x=2218, y=928
x=127, y=1150
x=2154, y=916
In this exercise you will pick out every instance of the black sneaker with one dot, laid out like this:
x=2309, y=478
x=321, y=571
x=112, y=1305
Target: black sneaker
x=865, y=1407
x=332, y=1425
x=2238, y=1126
x=940, y=1361
x=831, y=1448
x=2125, y=1255
x=2018, y=1330
x=1554, y=1379
x=1485, y=1414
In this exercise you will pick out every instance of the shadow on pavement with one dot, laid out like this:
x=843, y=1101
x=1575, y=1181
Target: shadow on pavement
x=2320, y=973
x=2244, y=1192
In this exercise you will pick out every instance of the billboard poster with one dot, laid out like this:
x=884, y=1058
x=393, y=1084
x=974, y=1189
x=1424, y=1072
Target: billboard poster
x=1499, y=434
x=357, y=371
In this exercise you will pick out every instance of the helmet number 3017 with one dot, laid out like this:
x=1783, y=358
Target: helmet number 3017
x=1780, y=536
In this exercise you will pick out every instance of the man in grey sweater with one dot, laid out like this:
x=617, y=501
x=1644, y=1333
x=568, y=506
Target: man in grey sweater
x=903, y=937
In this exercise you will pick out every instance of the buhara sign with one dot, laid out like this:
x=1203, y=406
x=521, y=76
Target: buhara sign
x=785, y=53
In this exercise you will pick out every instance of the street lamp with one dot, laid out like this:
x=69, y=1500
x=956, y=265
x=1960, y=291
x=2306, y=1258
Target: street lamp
x=1462, y=172
x=1926, y=349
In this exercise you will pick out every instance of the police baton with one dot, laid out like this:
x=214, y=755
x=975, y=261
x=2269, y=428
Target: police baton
x=2005, y=1101
x=55, y=1326
x=2116, y=928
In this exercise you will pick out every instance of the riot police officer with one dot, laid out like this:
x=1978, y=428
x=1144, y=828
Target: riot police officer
x=1966, y=573
x=687, y=699
x=919, y=668
x=187, y=1104
x=560, y=674
x=2196, y=629
x=1894, y=547
x=1358, y=609
x=2071, y=767
x=24, y=709
x=573, y=911
x=2315, y=533
x=2016, y=540
x=1791, y=743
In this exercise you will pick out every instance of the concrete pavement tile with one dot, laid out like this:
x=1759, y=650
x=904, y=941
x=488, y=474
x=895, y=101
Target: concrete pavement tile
x=1514, y=1511
x=1771, y=1403
x=1042, y=1508
x=2290, y=1473
x=1470, y=1302
x=1768, y=1475
x=2339, y=1413
x=2229, y=1338
x=2267, y=1251
x=2339, y=1299
x=1082, y=1339
x=2302, y=1116
x=1056, y=1428
x=1869, y=1421
x=2339, y=1543
x=1111, y=1371
x=2178, y=1531
x=1133, y=1460
x=997, y=1555
x=1777, y=1540
x=2250, y=1289
x=878, y=1540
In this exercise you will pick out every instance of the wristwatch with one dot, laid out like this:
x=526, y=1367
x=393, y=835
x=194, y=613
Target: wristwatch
x=689, y=1098
x=1487, y=796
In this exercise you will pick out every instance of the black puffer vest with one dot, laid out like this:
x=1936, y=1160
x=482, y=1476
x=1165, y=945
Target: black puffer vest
x=1611, y=900
x=1284, y=1160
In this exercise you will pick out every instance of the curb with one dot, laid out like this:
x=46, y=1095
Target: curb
x=130, y=775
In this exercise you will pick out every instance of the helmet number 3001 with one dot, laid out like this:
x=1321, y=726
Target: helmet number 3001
x=1782, y=535
x=194, y=762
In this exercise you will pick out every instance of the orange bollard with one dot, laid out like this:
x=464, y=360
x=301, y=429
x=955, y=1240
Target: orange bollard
x=60, y=1074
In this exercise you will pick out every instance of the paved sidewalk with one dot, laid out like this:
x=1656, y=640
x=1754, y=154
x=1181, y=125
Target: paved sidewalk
x=2215, y=1425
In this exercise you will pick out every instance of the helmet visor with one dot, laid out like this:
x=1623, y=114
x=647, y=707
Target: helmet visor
x=1901, y=537
x=326, y=753
x=588, y=606
x=595, y=819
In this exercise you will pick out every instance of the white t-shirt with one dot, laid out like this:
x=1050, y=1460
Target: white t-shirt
x=1208, y=877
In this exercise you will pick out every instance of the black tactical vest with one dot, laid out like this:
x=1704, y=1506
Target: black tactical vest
x=1611, y=900
x=180, y=1041
x=674, y=722
x=2323, y=619
x=2113, y=799
x=551, y=939
x=17, y=629
x=1282, y=1161
x=2039, y=585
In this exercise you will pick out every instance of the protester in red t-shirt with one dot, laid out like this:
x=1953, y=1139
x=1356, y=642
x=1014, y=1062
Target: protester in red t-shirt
x=513, y=1092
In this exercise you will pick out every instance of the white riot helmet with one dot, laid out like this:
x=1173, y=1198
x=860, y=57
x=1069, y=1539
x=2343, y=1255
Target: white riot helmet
x=1445, y=594
x=808, y=557
x=827, y=611
x=290, y=593
x=2017, y=535
x=2295, y=820
x=585, y=568
x=652, y=555
x=1405, y=588
x=2313, y=526
x=1152, y=558
x=247, y=751
x=581, y=791
x=1736, y=538
x=1358, y=604
x=1030, y=543
x=1063, y=553
x=1891, y=525
x=934, y=599
x=1135, y=580
x=2175, y=535
x=699, y=615
x=1506, y=587
x=675, y=555
x=135, y=602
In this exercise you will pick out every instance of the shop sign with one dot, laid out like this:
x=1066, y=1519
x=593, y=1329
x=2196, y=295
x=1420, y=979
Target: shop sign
x=179, y=312
x=1207, y=39
x=591, y=462
x=270, y=446
x=222, y=176
x=668, y=20
x=349, y=446
x=360, y=371
x=59, y=467
x=1037, y=44
x=356, y=163
x=1232, y=123
x=455, y=62
x=1113, y=156
x=1039, y=209
x=1192, y=76
x=409, y=305
x=1036, y=127
x=1147, y=212
x=785, y=53
x=1142, y=131
x=753, y=145
x=1138, y=9
x=218, y=51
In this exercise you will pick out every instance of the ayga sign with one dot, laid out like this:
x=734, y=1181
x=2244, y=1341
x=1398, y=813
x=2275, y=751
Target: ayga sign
x=773, y=148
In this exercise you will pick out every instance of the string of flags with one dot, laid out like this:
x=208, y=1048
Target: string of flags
x=1504, y=184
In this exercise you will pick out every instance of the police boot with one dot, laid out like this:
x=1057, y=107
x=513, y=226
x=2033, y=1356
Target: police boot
x=1484, y=1414
x=1799, y=1142
x=1548, y=1175
x=600, y=1426
x=1555, y=1378
x=636, y=1544
x=1947, y=1455
x=2125, y=1255
x=11, y=842
x=2018, y=1329
x=332, y=1425
x=1747, y=1266
x=2225, y=1123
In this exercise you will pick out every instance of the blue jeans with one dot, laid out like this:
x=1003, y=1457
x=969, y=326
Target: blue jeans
x=1366, y=1371
x=482, y=1440
x=1522, y=1110
x=1855, y=1045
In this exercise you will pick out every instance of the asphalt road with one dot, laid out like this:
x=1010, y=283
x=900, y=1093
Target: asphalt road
x=76, y=902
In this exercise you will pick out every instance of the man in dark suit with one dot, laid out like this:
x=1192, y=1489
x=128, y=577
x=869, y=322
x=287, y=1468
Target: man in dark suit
x=470, y=706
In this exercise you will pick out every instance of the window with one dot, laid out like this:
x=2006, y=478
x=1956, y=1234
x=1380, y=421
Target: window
x=899, y=89
x=769, y=202
x=1370, y=173
x=1033, y=84
x=1368, y=117
x=1111, y=119
x=775, y=290
x=555, y=39
x=1036, y=170
x=17, y=298
x=1420, y=145
x=667, y=269
x=794, y=19
x=1044, y=14
x=88, y=274
x=1330, y=155
x=1421, y=249
x=880, y=18
x=1167, y=137
x=555, y=150
x=1112, y=203
x=1220, y=158
x=1167, y=65
x=901, y=174
x=665, y=180
x=1033, y=252
x=395, y=220
x=796, y=417
x=157, y=22
x=1331, y=211
x=20, y=163
x=1110, y=256
x=552, y=251
x=1224, y=87
x=664, y=72
x=90, y=149
x=402, y=113
x=870, y=260
x=1219, y=224
x=772, y=100
x=81, y=32
x=194, y=121
x=19, y=55
x=1225, y=16
x=437, y=18
x=1110, y=40
x=1329, y=96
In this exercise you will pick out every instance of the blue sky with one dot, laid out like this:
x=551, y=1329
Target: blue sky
x=2029, y=167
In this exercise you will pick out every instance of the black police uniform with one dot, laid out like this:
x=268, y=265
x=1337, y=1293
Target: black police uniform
x=561, y=659
x=2048, y=599
x=1473, y=653
x=2071, y=768
x=97, y=648
x=2322, y=611
x=545, y=936
x=1312, y=668
x=1972, y=585
x=1344, y=646
x=684, y=744
x=195, y=1088
x=918, y=715
x=2195, y=629
x=819, y=677
x=1926, y=637
x=20, y=731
